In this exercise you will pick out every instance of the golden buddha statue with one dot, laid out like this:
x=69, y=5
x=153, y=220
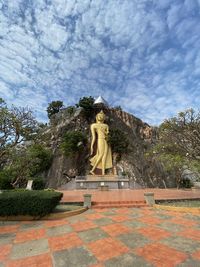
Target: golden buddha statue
x=103, y=157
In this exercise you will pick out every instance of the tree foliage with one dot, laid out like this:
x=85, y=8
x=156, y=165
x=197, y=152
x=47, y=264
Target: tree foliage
x=17, y=125
x=26, y=163
x=40, y=158
x=87, y=103
x=182, y=134
x=179, y=143
x=73, y=142
x=118, y=141
x=2, y=102
x=54, y=107
x=6, y=180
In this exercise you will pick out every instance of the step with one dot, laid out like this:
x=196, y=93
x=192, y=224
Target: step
x=122, y=205
x=119, y=204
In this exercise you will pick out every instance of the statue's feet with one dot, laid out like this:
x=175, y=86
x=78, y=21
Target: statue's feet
x=91, y=172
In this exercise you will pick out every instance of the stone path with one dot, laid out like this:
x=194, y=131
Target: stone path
x=105, y=237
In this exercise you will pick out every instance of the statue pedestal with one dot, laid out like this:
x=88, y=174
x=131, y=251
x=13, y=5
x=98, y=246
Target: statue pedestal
x=97, y=177
x=102, y=181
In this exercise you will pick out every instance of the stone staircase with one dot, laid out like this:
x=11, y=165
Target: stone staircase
x=119, y=204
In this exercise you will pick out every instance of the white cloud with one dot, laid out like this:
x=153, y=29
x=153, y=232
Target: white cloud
x=140, y=54
x=5, y=91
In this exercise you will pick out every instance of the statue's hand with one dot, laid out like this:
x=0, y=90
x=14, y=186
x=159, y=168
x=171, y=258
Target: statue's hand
x=91, y=151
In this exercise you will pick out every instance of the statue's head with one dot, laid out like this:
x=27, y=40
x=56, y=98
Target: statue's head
x=100, y=117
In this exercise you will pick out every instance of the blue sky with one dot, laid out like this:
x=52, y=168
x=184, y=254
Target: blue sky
x=143, y=55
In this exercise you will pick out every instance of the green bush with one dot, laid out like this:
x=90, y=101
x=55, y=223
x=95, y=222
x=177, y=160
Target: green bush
x=54, y=107
x=34, y=203
x=186, y=183
x=38, y=183
x=73, y=142
x=87, y=103
x=40, y=159
x=71, y=110
x=5, y=180
x=118, y=141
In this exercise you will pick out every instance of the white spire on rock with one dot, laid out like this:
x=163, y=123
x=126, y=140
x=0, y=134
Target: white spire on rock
x=101, y=100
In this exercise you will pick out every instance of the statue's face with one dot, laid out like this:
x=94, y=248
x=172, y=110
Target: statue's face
x=100, y=117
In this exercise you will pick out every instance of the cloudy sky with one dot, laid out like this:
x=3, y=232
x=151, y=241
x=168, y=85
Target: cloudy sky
x=143, y=55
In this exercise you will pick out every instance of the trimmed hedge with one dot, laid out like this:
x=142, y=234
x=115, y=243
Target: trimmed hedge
x=34, y=203
x=38, y=183
x=5, y=180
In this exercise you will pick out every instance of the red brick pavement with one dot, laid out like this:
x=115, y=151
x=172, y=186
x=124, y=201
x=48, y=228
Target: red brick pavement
x=128, y=195
x=154, y=233
x=102, y=238
x=107, y=248
x=28, y=235
x=64, y=242
x=116, y=229
x=43, y=260
x=161, y=255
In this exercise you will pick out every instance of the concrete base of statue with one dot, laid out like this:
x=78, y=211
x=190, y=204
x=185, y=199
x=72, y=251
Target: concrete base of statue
x=102, y=182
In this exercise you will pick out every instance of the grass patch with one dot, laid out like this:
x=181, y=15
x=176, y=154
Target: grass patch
x=181, y=203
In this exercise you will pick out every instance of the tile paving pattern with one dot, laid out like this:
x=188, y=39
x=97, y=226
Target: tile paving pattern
x=118, y=237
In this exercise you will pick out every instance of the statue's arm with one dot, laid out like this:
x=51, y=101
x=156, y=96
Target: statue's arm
x=93, y=138
x=107, y=130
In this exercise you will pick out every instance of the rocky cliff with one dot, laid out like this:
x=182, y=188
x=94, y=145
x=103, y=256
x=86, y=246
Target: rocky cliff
x=141, y=136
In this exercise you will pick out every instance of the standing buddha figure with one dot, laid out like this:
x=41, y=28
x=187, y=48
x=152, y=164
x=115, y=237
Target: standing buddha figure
x=103, y=157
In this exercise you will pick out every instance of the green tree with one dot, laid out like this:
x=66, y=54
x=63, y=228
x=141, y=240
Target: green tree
x=87, y=103
x=6, y=178
x=26, y=163
x=54, y=107
x=118, y=108
x=2, y=102
x=17, y=125
x=182, y=133
x=73, y=142
x=40, y=158
x=179, y=143
x=118, y=142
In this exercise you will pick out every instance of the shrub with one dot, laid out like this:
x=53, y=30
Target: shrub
x=118, y=141
x=38, y=183
x=5, y=180
x=186, y=183
x=70, y=110
x=73, y=142
x=40, y=159
x=27, y=163
x=34, y=203
x=87, y=103
x=54, y=107
x=118, y=108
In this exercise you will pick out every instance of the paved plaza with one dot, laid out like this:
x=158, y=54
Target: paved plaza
x=118, y=237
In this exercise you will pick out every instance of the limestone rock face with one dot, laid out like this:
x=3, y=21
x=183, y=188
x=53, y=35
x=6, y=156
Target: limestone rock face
x=134, y=165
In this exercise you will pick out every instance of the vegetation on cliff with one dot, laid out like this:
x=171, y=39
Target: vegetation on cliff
x=54, y=107
x=29, y=149
x=87, y=103
x=73, y=142
x=118, y=142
